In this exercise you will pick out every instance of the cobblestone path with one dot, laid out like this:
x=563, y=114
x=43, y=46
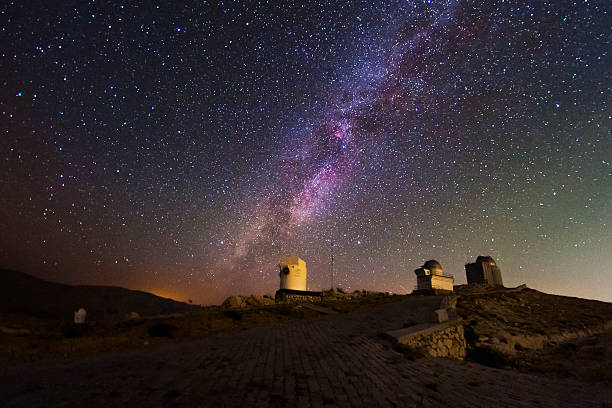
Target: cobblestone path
x=336, y=360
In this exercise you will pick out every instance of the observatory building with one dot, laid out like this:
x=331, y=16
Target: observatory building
x=293, y=282
x=430, y=276
x=484, y=270
x=292, y=273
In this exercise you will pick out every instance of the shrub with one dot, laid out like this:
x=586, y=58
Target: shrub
x=71, y=332
x=162, y=330
x=124, y=324
x=470, y=334
x=432, y=386
x=488, y=356
x=284, y=310
x=233, y=314
x=411, y=353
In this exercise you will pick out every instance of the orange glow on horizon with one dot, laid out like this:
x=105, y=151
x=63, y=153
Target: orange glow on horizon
x=168, y=294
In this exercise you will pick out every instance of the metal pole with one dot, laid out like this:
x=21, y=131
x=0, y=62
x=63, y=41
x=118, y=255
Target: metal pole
x=332, y=266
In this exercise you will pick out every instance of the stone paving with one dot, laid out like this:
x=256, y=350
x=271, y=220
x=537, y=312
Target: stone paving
x=336, y=360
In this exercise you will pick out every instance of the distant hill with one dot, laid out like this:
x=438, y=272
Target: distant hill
x=21, y=293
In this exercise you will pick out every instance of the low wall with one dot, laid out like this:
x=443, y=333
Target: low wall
x=436, y=340
x=295, y=296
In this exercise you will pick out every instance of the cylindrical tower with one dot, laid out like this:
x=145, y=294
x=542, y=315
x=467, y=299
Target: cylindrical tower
x=292, y=273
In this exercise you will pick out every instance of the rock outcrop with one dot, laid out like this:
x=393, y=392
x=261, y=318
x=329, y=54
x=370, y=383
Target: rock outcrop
x=241, y=302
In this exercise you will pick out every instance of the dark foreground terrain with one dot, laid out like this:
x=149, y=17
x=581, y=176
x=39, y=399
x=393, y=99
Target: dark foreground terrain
x=340, y=359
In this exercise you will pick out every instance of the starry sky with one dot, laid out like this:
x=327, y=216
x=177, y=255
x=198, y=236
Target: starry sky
x=184, y=149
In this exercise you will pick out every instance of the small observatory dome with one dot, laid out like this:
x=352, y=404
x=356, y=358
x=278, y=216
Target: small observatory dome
x=434, y=266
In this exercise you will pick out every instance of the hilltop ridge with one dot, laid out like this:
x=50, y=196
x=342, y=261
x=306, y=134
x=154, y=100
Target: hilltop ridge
x=21, y=293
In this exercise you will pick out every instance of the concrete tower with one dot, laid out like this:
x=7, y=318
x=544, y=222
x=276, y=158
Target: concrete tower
x=292, y=273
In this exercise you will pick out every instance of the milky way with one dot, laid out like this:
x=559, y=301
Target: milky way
x=185, y=149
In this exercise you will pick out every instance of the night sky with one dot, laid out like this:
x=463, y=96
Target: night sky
x=184, y=149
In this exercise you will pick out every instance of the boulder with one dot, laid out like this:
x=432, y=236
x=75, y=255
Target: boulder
x=259, y=300
x=240, y=302
x=233, y=302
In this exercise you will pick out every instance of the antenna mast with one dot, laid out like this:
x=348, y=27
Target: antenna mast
x=332, y=264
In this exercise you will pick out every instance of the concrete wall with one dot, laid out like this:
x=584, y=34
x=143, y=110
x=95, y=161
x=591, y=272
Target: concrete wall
x=442, y=282
x=496, y=277
x=429, y=282
x=283, y=297
x=423, y=282
x=482, y=272
x=474, y=273
x=437, y=340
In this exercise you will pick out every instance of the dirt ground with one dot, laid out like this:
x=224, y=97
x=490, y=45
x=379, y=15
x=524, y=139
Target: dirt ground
x=287, y=355
x=43, y=339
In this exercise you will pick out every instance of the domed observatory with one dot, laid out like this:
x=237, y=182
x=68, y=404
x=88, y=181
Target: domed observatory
x=292, y=273
x=430, y=276
x=484, y=270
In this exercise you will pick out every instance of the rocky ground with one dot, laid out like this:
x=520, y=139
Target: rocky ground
x=25, y=338
x=537, y=332
x=331, y=360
